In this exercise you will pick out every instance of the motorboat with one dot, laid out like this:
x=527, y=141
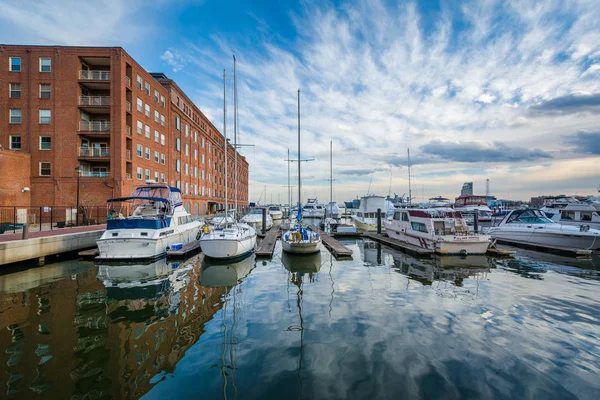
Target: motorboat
x=222, y=219
x=313, y=209
x=275, y=212
x=533, y=227
x=226, y=274
x=442, y=230
x=332, y=210
x=157, y=221
x=254, y=219
x=365, y=218
x=474, y=205
x=578, y=214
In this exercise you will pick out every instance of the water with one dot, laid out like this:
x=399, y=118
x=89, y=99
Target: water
x=385, y=325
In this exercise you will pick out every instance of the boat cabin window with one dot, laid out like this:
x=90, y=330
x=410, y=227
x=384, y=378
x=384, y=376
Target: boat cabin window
x=256, y=212
x=359, y=214
x=404, y=216
x=568, y=215
x=397, y=216
x=586, y=216
x=528, y=217
x=308, y=207
x=419, y=227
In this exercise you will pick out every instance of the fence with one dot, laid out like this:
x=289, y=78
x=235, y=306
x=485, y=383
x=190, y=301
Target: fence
x=12, y=219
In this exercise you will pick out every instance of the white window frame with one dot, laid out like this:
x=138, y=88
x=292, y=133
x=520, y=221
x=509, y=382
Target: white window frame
x=156, y=116
x=162, y=120
x=178, y=123
x=177, y=165
x=140, y=105
x=162, y=139
x=50, y=168
x=147, y=110
x=44, y=91
x=156, y=156
x=187, y=149
x=10, y=64
x=162, y=101
x=140, y=150
x=162, y=177
x=156, y=136
x=49, y=117
x=139, y=82
x=156, y=95
x=147, y=88
x=11, y=90
x=140, y=127
x=148, y=174
x=162, y=159
x=10, y=116
x=140, y=173
x=40, y=142
x=10, y=144
x=147, y=153
x=147, y=131
x=49, y=65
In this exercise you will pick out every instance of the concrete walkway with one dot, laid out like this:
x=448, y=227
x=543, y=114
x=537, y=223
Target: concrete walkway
x=8, y=237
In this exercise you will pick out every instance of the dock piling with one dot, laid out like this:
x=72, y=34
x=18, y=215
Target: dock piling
x=379, y=221
x=264, y=221
x=476, y=221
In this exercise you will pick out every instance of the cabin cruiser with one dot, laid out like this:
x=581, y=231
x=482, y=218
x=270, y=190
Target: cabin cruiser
x=365, y=218
x=532, y=227
x=275, y=212
x=313, y=209
x=332, y=210
x=474, y=204
x=577, y=214
x=254, y=219
x=157, y=222
x=442, y=230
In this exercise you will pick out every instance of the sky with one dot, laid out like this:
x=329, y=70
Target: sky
x=484, y=89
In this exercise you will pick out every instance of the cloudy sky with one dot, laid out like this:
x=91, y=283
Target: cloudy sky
x=508, y=91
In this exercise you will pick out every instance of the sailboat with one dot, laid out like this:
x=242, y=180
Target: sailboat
x=300, y=239
x=229, y=240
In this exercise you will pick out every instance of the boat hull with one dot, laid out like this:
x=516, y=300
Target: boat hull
x=300, y=247
x=276, y=215
x=227, y=248
x=367, y=226
x=549, y=239
x=459, y=245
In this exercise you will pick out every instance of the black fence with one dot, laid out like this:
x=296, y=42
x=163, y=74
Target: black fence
x=12, y=219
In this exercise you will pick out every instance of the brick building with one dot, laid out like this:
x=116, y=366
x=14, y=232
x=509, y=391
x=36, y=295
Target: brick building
x=98, y=109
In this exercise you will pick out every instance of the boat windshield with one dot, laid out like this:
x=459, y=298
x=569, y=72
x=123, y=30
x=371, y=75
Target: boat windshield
x=275, y=208
x=256, y=212
x=528, y=217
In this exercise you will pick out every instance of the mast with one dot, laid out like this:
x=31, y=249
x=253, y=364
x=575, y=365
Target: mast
x=235, y=129
x=225, y=137
x=289, y=186
x=409, y=187
x=331, y=172
x=299, y=181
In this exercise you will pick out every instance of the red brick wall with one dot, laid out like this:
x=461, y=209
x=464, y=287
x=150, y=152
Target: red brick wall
x=13, y=182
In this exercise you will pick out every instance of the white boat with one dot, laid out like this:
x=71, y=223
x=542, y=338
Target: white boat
x=474, y=204
x=275, y=212
x=300, y=239
x=577, y=214
x=442, y=230
x=254, y=219
x=332, y=210
x=222, y=219
x=157, y=222
x=229, y=240
x=365, y=218
x=533, y=227
x=313, y=209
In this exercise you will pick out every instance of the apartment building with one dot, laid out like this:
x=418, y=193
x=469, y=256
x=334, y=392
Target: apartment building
x=96, y=112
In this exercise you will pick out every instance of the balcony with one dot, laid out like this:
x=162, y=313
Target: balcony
x=128, y=106
x=128, y=82
x=128, y=175
x=94, y=126
x=94, y=153
x=94, y=104
x=94, y=75
x=128, y=130
x=128, y=155
x=95, y=174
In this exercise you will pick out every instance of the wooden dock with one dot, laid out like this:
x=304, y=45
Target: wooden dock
x=559, y=250
x=89, y=254
x=267, y=246
x=186, y=249
x=398, y=245
x=336, y=248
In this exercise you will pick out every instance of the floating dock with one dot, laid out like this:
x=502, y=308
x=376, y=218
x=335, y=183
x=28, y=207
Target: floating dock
x=185, y=250
x=336, y=248
x=559, y=250
x=267, y=246
x=399, y=245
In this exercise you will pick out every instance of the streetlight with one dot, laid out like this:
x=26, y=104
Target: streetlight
x=78, y=170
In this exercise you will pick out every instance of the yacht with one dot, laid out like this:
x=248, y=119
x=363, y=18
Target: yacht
x=221, y=219
x=365, y=218
x=533, y=227
x=254, y=219
x=443, y=230
x=313, y=209
x=471, y=204
x=332, y=210
x=157, y=222
x=578, y=214
x=275, y=212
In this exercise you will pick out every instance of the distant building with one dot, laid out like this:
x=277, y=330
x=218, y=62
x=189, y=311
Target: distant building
x=467, y=189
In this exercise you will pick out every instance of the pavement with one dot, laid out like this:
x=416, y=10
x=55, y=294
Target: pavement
x=7, y=237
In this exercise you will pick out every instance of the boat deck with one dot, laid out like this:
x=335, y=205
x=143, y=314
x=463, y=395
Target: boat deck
x=186, y=249
x=267, y=246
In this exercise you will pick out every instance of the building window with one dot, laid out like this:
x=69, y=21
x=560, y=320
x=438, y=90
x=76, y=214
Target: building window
x=202, y=190
x=140, y=171
x=155, y=176
x=162, y=139
x=177, y=165
x=45, y=64
x=45, y=143
x=15, y=115
x=147, y=153
x=147, y=132
x=140, y=150
x=156, y=96
x=162, y=159
x=156, y=116
x=15, y=142
x=202, y=142
x=45, y=90
x=187, y=191
x=156, y=156
x=162, y=178
x=14, y=64
x=187, y=150
x=162, y=101
x=187, y=130
x=187, y=170
x=44, y=169
x=15, y=90
x=178, y=144
x=202, y=175
x=139, y=86
x=147, y=174
x=178, y=184
x=195, y=172
x=195, y=154
x=156, y=136
x=202, y=158
x=147, y=107
x=45, y=117
x=162, y=120
x=178, y=123
x=140, y=127
x=147, y=87
x=140, y=105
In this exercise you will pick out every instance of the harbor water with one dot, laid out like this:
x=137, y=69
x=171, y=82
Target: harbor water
x=383, y=325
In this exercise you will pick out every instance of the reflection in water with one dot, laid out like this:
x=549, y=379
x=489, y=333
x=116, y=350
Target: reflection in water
x=222, y=274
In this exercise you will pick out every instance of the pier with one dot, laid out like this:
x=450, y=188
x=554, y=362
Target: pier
x=338, y=250
x=267, y=246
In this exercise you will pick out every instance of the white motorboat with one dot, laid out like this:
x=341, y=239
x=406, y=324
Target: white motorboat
x=442, y=230
x=229, y=240
x=158, y=221
x=313, y=209
x=474, y=204
x=577, y=214
x=533, y=227
x=222, y=219
x=275, y=212
x=254, y=219
x=332, y=210
x=365, y=218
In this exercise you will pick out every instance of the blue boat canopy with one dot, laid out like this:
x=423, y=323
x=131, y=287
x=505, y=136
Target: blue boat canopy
x=138, y=198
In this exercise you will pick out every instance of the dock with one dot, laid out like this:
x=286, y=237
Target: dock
x=186, y=249
x=89, y=254
x=398, y=245
x=559, y=250
x=336, y=248
x=267, y=246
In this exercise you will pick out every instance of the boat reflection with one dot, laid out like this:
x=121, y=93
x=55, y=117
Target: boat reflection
x=226, y=274
x=301, y=263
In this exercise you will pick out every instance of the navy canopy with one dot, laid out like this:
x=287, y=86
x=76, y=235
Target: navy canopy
x=139, y=198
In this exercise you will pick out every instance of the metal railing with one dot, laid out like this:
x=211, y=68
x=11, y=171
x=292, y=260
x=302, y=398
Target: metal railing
x=128, y=154
x=128, y=82
x=128, y=106
x=94, y=75
x=45, y=218
x=92, y=174
x=128, y=130
x=94, y=100
x=94, y=126
x=127, y=175
x=94, y=152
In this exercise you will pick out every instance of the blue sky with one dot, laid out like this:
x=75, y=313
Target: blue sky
x=508, y=91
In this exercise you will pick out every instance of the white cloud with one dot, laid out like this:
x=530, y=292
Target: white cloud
x=174, y=60
x=486, y=98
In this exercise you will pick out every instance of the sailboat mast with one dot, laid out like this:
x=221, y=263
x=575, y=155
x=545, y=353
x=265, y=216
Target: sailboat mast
x=409, y=186
x=289, y=185
x=331, y=172
x=235, y=129
x=299, y=181
x=225, y=137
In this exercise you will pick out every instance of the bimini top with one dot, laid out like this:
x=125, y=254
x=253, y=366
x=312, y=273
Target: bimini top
x=154, y=192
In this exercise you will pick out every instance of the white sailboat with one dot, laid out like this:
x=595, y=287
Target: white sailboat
x=229, y=240
x=300, y=239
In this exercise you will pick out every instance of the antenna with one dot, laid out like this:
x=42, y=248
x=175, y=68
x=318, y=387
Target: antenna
x=390, y=188
x=409, y=187
x=370, y=180
x=487, y=189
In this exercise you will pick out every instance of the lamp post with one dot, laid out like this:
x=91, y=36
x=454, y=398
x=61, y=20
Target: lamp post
x=78, y=170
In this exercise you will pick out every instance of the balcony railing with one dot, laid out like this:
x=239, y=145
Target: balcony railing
x=94, y=75
x=128, y=106
x=128, y=130
x=94, y=126
x=94, y=152
x=128, y=175
x=128, y=154
x=95, y=174
x=94, y=100
x=128, y=82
